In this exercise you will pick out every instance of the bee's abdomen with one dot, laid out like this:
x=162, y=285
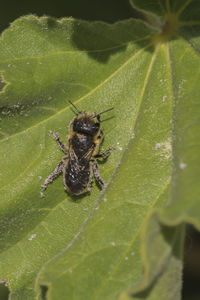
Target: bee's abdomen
x=76, y=179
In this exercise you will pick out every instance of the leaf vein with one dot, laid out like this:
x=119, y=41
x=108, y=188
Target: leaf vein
x=124, y=254
x=135, y=121
x=57, y=53
x=84, y=96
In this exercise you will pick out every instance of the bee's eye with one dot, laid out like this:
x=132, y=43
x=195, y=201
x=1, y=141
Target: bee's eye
x=96, y=125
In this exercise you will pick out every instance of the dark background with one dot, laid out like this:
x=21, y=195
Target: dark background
x=109, y=11
x=105, y=10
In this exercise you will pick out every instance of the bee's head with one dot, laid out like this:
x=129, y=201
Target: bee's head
x=86, y=123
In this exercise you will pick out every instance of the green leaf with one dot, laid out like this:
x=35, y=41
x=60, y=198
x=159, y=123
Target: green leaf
x=97, y=246
x=184, y=199
x=94, y=74
x=161, y=251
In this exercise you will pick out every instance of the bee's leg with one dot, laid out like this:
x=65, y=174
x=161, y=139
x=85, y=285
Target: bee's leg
x=58, y=141
x=58, y=170
x=97, y=174
x=105, y=154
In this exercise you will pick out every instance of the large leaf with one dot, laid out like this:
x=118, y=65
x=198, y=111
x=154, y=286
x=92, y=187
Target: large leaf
x=62, y=247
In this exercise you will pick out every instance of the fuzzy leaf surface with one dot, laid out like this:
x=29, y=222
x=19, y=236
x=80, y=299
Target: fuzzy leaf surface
x=68, y=244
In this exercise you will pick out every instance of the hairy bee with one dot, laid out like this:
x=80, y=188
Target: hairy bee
x=79, y=166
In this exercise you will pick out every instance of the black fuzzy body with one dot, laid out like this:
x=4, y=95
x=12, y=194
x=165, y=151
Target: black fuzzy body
x=83, y=144
x=79, y=165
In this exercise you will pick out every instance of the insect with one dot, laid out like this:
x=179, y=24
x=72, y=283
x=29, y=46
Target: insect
x=79, y=165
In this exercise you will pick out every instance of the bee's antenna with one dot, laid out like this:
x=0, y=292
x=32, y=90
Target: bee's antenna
x=96, y=115
x=105, y=111
x=74, y=106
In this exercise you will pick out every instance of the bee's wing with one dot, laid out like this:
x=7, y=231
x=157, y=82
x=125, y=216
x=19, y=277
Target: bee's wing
x=80, y=164
x=72, y=155
x=73, y=159
x=88, y=154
